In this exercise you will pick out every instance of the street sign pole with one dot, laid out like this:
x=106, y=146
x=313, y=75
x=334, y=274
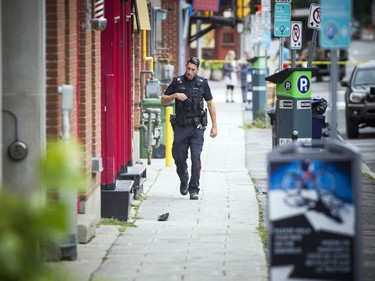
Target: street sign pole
x=293, y=58
x=281, y=51
x=313, y=23
x=282, y=25
x=335, y=35
x=312, y=50
x=334, y=75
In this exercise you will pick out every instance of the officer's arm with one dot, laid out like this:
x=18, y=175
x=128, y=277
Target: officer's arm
x=212, y=111
x=170, y=95
x=166, y=99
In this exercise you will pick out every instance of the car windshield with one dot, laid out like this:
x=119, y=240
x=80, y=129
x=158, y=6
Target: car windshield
x=365, y=77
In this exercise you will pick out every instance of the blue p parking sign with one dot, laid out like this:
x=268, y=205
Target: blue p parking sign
x=303, y=84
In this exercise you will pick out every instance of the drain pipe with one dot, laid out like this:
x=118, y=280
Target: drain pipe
x=146, y=58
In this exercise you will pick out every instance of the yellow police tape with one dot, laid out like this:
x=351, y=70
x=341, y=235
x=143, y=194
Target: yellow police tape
x=318, y=62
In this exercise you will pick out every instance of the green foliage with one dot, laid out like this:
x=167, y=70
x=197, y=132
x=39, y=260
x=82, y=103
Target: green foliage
x=263, y=234
x=216, y=66
x=60, y=168
x=29, y=224
x=370, y=178
x=257, y=123
x=123, y=225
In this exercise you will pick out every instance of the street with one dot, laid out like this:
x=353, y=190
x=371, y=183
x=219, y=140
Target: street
x=360, y=51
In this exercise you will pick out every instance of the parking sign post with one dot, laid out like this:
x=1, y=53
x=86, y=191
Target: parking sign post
x=313, y=23
x=282, y=18
x=336, y=15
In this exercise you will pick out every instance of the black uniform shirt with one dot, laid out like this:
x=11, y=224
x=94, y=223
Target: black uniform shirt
x=173, y=87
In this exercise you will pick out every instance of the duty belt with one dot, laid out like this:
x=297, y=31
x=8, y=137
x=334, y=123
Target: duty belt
x=184, y=121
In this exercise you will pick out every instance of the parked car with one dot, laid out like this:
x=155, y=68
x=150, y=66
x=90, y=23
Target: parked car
x=322, y=57
x=360, y=98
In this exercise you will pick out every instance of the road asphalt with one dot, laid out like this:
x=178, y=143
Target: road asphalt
x=213, y=238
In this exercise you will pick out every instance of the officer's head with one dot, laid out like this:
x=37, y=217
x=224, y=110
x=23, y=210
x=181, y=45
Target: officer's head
x=192, y=67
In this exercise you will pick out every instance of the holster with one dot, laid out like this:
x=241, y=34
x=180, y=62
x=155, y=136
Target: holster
x=204, y=120
x=172, y=119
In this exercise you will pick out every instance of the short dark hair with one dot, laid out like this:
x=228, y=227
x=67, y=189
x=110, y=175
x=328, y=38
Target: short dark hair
x=193, y=60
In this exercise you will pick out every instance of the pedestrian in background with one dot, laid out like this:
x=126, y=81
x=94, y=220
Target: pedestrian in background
x=230, y=71
x=189, y=123
x=286, y=55
x=244, y=74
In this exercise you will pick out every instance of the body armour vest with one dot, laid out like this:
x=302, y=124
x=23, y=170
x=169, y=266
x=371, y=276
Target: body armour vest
x=194, y=105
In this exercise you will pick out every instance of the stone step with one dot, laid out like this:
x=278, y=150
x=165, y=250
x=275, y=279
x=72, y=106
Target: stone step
x=117, y=203
x=86, y=228
x=137, y=173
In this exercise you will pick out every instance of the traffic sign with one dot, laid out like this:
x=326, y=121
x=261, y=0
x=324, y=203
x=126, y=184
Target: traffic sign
x=296, y=35
x=266, y=5
x=266, y=34
x=314, y=16
x=282, y=20
x=335, y=24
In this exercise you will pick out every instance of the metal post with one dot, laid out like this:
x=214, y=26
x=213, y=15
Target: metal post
x=293, y=58
x=312, y=49
x=68, y=246
x=281, y=47
x=334, y=76
x=168, y=137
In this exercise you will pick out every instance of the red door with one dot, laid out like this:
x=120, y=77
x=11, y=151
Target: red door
x=116, y=91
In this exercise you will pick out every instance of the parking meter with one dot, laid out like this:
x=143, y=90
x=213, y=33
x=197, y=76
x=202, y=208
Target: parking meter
x=259, y=68
x=293, y=104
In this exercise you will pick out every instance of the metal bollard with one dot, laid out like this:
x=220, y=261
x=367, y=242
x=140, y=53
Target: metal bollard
x=168, y=137
x=295, y=136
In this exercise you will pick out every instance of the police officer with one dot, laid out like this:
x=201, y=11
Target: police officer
x=189, y=92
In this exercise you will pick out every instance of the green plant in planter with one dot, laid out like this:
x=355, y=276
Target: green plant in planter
x=216, y=66
x=29, y=223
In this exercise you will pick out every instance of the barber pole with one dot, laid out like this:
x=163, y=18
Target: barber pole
x=99, y=9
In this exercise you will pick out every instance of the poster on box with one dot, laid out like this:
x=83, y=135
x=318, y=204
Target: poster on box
x=312, y=211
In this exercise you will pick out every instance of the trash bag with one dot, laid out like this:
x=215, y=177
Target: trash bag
x=318, y=105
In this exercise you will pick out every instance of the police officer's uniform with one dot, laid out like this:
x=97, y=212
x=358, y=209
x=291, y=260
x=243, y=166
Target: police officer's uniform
x=189, y=125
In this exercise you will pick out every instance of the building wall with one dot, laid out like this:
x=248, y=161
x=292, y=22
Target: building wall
x=136, y=70
x=171, y=32
x=23, y=89
x=73, y=57
x=1, y=102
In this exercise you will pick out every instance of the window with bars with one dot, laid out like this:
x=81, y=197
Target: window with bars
x=228, y=38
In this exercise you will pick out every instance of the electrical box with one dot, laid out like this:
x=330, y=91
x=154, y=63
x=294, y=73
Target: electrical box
x=152, y=88
x=167, y=72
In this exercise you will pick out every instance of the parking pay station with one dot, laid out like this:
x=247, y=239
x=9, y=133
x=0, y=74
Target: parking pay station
x=293, y=104
x=314, y=223
x=259, y=67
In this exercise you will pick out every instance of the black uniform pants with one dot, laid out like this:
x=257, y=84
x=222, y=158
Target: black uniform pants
x=186, y=138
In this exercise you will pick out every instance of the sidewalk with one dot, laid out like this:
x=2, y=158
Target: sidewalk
x=213, y=238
